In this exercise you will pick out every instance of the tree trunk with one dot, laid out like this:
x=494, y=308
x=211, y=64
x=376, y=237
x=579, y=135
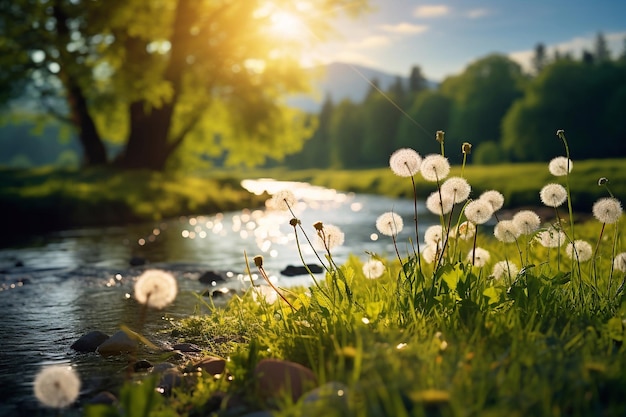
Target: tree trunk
x=149, y=143
x=147, y=146
x=94, y=152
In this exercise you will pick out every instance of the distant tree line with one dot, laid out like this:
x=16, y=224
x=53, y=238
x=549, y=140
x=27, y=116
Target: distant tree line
x=506, y=114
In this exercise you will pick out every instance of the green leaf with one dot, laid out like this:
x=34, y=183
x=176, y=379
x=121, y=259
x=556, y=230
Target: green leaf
x=493, y=295
x=452, y=274
x=615, y=329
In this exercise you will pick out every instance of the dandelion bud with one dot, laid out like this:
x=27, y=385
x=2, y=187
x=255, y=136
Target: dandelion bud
x=466, y=148
x=603, y=181
x=294, y=222
x=258, y=261
x=319, y=226
x=439, y=136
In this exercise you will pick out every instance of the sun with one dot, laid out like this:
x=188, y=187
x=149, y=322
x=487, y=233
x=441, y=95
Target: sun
x=287, y=24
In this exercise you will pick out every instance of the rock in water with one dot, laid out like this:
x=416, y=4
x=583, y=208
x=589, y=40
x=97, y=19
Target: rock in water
x=117, y=344
x=89, y=342
x=292, y=271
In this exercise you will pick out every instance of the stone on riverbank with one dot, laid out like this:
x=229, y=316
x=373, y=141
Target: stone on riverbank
x=277, y=377
x=89, y=342
x=210, y=364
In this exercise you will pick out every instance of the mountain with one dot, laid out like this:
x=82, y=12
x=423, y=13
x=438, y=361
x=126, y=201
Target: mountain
x=341, y=81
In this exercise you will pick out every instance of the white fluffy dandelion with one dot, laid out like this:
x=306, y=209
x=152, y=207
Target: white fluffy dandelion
x=560, y=166
x=329, y=237
x=607, y=210
x=439, y=204
x=433, y=235
x=405, y=162
x=478, y=211
x=283, y=200
x=553, y=195
x=506, y=231
x=57, y=386
x=579, y=250
x=551, y=238
x=527, y=221
x=494, y=198
x=457, y=188
x=480, y=257
x=504, y=269
x=467, y=230
x=389, y=224
x=430, y=253
x=619, y=262
x=156, y=288
x=373, y=269
x=435, y=168
x=265, y=293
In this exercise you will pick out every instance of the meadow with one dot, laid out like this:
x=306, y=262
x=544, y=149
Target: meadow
x=527, y=320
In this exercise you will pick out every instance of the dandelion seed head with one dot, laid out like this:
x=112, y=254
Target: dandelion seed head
x=457, y=188
x=57, y=386
x=607, y=210
x=435, y=168
x=329, y=237
x=265, y=293
x=467, y=230
x=481, y=257
x=156, y=288
x=579, y=250
x=478, y=211
x=494, y=198
x=439, y=204
x=433, y=235
x=553, y=195
x=619, y=262
x=527, y=221
x=506, y=231
x=602, y=181
x=439, y=136
x=504, y=269
x=405, y=162
x=466, y=148
x=283, y=200
x=430, y=252
x=389, y=224
x=560, y=166
x=551, y=238
x=373, y=269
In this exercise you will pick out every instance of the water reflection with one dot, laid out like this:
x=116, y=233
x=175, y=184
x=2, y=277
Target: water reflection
x=81, y=280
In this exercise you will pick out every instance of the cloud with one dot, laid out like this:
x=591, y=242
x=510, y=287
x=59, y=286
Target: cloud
x=405, y=28
x=431, y=10
x=574, y=46
x=478, y=13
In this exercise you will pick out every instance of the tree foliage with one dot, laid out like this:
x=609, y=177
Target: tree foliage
x=583, y=99
x=178, y=77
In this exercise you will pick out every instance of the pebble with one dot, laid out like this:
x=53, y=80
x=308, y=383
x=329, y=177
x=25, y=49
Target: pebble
x=89, y=342
x=276, y=377
x=117, y=344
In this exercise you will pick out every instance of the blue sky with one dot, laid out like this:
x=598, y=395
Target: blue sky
x=444, y=37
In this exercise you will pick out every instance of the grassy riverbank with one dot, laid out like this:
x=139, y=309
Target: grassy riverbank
x=519, y=183
x=520, y=324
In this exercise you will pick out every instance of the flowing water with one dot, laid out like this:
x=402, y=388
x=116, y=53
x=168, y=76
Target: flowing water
x=77, y=281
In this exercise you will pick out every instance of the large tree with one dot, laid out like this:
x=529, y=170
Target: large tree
x=166, y=78
x=480, y=97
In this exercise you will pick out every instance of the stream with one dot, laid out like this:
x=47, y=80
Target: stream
x=76, y=281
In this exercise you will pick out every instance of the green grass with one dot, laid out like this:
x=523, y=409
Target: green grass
x=432, y=339
x=46, y=199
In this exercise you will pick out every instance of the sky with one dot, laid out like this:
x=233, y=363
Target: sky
x=444, y=37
